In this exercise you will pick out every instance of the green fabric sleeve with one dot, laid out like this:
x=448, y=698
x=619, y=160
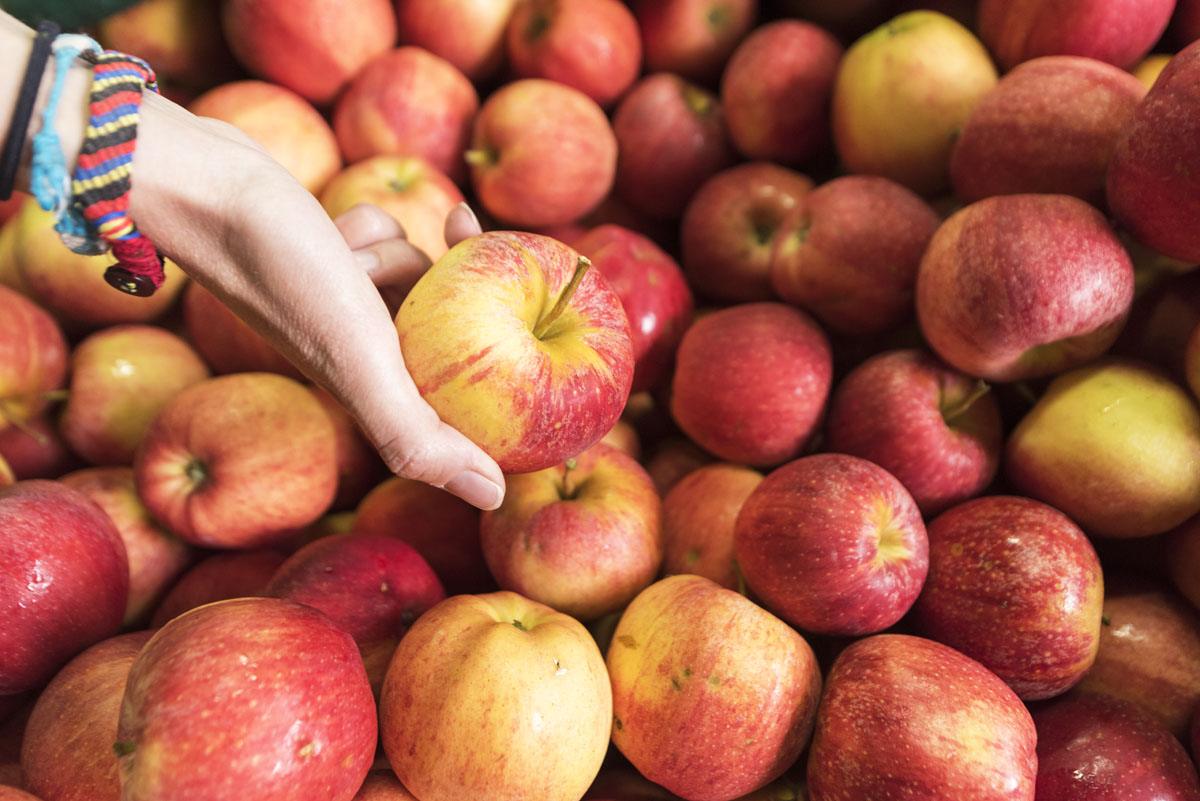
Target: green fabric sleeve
x=70, y=14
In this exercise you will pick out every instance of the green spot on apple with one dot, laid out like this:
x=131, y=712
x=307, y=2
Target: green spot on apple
x=1106, y=620
x=699, y=101
x=518, y=625
x=718, y=15
x=123, y=748
x=481, y=156
x=687, y=672
x=714, y=680
x=692, y=556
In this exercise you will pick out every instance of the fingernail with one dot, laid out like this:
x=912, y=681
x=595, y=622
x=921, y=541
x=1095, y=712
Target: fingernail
x=475, y=490
x=463, y=205
x=368, y=260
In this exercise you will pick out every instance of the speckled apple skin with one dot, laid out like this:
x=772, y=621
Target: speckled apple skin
x=224, y=575
x=699, y=515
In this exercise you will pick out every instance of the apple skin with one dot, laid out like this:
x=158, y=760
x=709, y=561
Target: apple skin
x=833, y=544
x=692, y=38
x=624, y=437
x=285, y=124
x=237, y=461
x=583, y=538
x=358, y=464
x=33, y=358
x=225, y=575
x=1115, y=446
x=121, y=378
x=1162, y=322
x=901, y=711
x=1185, y=25
x=1023, y=286
x=408, y=102
x=10, y=274
x=776, y=91
x=1149, y=68
x=1119, y=32
x=751, y=382
x=1049, y=126
x=699, y=514
x=673, y=460
x=467, y=33
x=1015, y=585
x=1183, y=560
x=181, y=38
x=713, y=697
x=901, y=93
x=1098, y=749
x=851, y=253
x=653, y=293
x=227, y=344
x=382, y=785
x=6, y=474
x=290, y=715
x=67, y=752
x=1191, y=362
x=13, y=794
x=313, y=47
x=38, y=451
x=466, y=330
x=1152, y=185
x=892, y=410
x=671, y=138
x=496, y=696
x=541, y=154
x=65, y=583
x=731, y=226
x=155, y=556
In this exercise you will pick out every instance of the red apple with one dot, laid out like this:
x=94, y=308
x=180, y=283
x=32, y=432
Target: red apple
x=693, y=38
x=13, y=794
x=156, y=558
x=833, y=544
x=851, y=252
x=699, y=514
x=65, y=580
x=408, y=102
x=467, y=33
x=1183, y=559
x=904, y=712
x=584, y=537
x=1023, y=286
x=653, y=293
x=591, y=45
x=751, y=382
x=67, y=753
x=382, y=785
x=33, y=358
x=1051, y=126
x=776, y=91
x=121, y=378
x=36, y=449
x=358, y=464
x=731, y=228
x=1185, y=25
x=1161, y=323
x=519, y=346
x=542, y=154
x=239, y=460
x=1153, y=188
x=624, y=437
x=936, y=430
x=239, y=574
x=313, y=47
x=227, y=343
x=673, y=460
x=1117, y=31
x=180, y=38
x=275, y=700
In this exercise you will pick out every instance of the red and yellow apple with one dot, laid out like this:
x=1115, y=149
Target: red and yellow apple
x=33, y=358
x=693, y=38
x=180, y=38
x=467, y=33
x=699, y=515
x=227, y=344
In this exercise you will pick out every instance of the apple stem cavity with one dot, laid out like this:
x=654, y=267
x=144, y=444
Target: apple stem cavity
x=196, y=472
x=543, y=325
x=957, y=410
x=518, y=625
x=699, y=101
x=123, y=748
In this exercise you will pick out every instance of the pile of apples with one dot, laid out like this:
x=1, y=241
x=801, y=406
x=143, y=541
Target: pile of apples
x=842, y=357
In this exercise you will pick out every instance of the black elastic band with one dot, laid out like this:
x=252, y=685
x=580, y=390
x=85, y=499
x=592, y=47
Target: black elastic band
x=14, y=143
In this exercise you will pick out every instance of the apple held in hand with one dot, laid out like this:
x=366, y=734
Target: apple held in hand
x=518, y=345
x=467, y=33
x=33, y=358
x=699, y=514
x=224, y=575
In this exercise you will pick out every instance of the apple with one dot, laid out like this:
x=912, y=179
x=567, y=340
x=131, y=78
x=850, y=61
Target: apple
x=590, y=45
x=285, y=124
x=833, y=544
x=237, y=461
x=155, y=556
x=9, y=207
x=382, y=785
x=13, y=794
x=624, y=437
x=1149, y=68
x=673, y=460
x=1191, y=359
x=713, y=697
x=519, y=691
x=227, y=343
x=902, y=92
x=67, y=753
x=1152, y=185
x=467, y=33
x=542, y=154
x=121, y=378
x=1023, y=286
x=516, y=344
x=1051, y=126
x=583, y=537
x=851, y=253
x=35, y=449
x=235, y=574
x=1093, y=748
x=181, y=38
x=1149, y=653
x=33, y=358
x=901, y=711
x=935, y=429
x=65, y=580
x=408, y=102
x=1162, y=322
x=289, y=711
x=776, y=91
x=1119, y=32
x=313, y=47
x=693, y=38
x=699, y=514
x=1183, y=559
x=751, y=381
x=1185, y=25
x=358, y=464
x=10, y=274
x=1116, y=446
x=406, y=187
x=6, y=474
x=731, y=227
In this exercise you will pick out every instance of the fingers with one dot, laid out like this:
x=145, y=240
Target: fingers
x=365, y=225
x=461, y=223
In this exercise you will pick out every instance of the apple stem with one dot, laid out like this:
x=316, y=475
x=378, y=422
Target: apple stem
x=564, y=299
x=21, y=425
x=741, y=580
x=963, y=406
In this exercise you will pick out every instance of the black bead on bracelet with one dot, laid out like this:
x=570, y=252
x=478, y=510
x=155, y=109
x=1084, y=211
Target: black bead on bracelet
x=18, y=130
